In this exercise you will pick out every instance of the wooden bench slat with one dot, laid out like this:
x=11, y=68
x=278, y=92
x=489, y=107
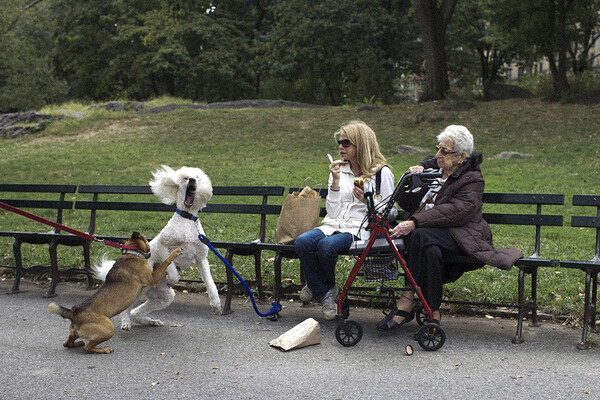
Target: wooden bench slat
x=52, y=204
x=123, y=206
x=586, y=200
x=37, y=188
x=115, y=189
x=523, y=219
x=581, y=221
x=210, y=208
x=217, y=190
x=524, y=198
x=269, y=209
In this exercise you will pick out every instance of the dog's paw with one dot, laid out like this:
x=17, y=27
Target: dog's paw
x=217, y=310
x=155, y=322
x=126, y=325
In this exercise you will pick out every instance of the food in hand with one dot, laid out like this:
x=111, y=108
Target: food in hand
x=360, y=181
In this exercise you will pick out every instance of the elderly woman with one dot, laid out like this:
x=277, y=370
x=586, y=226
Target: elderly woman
x=346, y=206
x=446, y=221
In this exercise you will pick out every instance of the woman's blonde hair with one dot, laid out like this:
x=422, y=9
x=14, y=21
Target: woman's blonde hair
x=369, y=157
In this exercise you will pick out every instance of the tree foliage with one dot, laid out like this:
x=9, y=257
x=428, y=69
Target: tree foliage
x=317, y=51
x=27, y=79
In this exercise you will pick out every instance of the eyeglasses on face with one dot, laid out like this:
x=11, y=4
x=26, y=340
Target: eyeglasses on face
x=344, y=143
x=443, y=150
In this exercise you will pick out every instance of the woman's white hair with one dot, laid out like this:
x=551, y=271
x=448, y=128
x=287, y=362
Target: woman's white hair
x=460, y=136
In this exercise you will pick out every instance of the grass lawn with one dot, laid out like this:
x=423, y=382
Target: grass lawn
x=289, y=146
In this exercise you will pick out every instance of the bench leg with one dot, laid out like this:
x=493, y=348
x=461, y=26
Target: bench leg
x=277, y=272
x=51, y=292
x=226, y=309
x=586, y=313
x=594, y=301
x=19, y=267
x=258, y=274
x=522, y=307
x=533, y=299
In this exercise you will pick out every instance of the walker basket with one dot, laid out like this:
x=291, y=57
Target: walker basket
x=380, y=268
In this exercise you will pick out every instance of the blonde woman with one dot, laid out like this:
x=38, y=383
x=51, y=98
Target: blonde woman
x=346, y=205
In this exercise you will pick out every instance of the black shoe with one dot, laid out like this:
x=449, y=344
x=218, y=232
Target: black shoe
x=388, y=323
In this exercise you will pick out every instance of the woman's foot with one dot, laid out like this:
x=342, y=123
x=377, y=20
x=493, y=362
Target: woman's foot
x=329, y=303
x=400, y=315
x=306, y=294
x=395, y=319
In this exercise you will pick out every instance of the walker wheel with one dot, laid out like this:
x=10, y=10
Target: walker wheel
x=348, y=333
x=431, y=336
x=420, y=314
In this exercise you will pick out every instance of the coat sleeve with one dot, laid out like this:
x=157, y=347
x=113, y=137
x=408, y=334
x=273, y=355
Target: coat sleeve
x=455, y=206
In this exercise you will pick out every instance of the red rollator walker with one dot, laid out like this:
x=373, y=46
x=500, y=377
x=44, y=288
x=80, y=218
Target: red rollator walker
x=431, y=335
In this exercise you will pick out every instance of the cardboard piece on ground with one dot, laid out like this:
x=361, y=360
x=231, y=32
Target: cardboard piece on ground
x=304, y=334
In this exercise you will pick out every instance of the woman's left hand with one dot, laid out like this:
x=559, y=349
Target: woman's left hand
x=403, y=229
x=359, y=194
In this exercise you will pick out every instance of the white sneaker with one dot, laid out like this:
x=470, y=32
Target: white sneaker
x=306, y=294
x=329, y=303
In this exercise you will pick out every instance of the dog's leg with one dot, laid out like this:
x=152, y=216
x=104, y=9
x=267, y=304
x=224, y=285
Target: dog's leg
x=126, y=319
x=159, y=272
x=211, y=288
x=158, y=298
x=72, y=339
x=99, y=330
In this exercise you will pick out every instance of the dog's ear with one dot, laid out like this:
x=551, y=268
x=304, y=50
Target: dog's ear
x=204, y=190
x=135, y=235
x=164, y=184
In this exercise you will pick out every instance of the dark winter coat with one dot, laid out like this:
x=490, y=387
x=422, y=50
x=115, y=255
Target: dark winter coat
x=458, y=208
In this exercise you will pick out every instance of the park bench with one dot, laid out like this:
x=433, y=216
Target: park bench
x=255, y=203
x=590, y=267
x=527, y=265
x=49, y=200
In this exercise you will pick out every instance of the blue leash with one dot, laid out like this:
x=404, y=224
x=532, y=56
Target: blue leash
x=275, y=307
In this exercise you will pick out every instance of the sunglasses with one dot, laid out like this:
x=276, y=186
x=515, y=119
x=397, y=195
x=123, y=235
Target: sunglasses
x=344, y=143
x=444, y=151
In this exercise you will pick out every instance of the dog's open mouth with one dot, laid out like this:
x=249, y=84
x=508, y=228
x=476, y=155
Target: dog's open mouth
x=189, y=193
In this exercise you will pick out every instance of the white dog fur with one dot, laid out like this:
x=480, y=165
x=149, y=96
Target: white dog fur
x=172, y=187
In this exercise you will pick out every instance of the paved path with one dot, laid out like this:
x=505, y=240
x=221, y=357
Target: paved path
x=202, y=356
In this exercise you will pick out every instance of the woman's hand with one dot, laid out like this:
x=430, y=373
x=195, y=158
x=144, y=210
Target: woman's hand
x=334, y=168
x=416, y=169
x=359, y=194
x=403, y=229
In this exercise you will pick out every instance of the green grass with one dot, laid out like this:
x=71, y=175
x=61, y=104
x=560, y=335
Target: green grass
x=288, y=147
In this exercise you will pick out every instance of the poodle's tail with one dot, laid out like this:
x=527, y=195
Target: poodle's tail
x=100, y=271
x=60, y=310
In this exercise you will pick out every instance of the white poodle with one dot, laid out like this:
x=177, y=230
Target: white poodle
x=190, y=189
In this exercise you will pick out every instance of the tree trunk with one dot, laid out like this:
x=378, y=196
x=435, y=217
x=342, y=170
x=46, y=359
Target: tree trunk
x=560, y=83
x=432, y=21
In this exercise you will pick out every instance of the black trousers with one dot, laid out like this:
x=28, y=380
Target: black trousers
x=426, y=249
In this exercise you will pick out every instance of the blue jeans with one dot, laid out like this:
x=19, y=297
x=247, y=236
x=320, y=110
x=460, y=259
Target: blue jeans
x=318, y=255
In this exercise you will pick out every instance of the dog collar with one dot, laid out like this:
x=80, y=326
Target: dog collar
x=136, y=253
x=187, y=215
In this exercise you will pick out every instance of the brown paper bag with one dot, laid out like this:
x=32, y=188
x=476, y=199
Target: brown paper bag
x=299, y=214
x=304, y=334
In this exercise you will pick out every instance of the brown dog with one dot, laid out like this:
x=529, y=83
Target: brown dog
x=124, y=282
